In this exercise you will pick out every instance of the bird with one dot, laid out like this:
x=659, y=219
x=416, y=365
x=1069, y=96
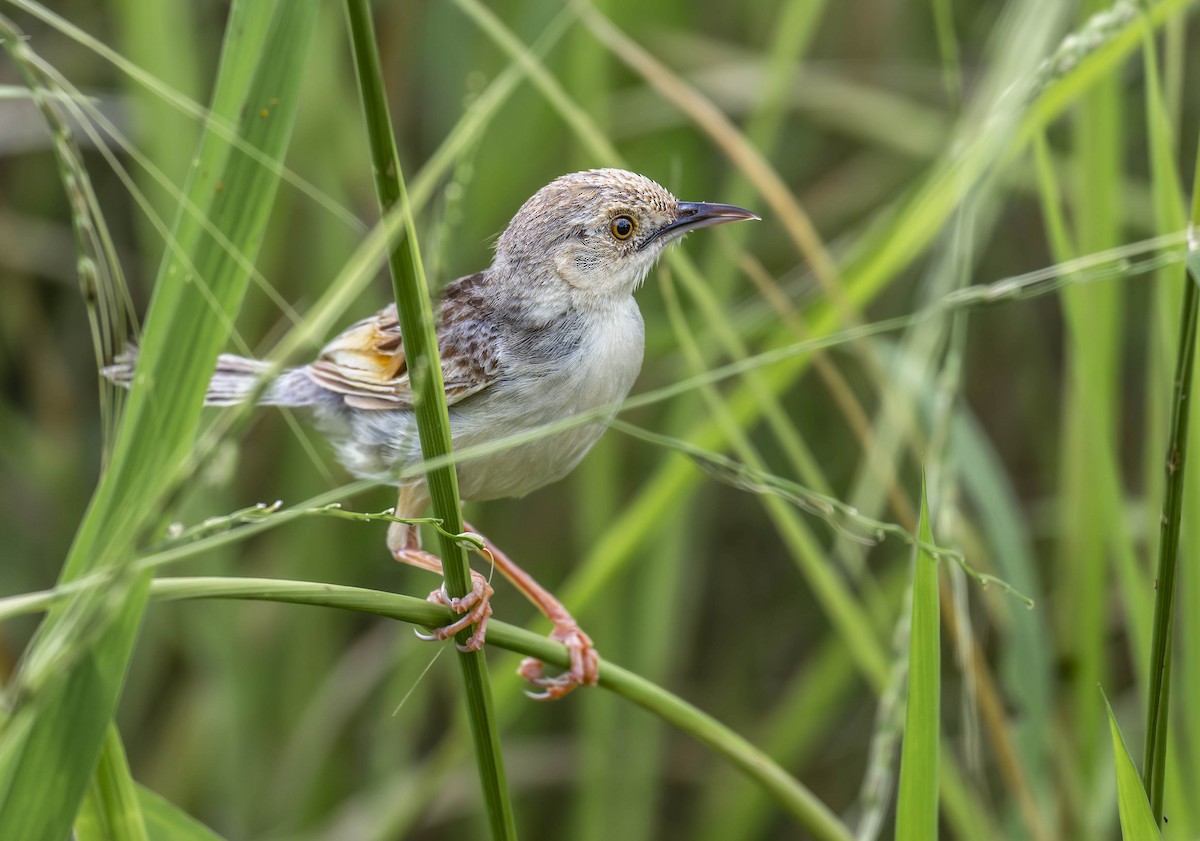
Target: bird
x=549, y=330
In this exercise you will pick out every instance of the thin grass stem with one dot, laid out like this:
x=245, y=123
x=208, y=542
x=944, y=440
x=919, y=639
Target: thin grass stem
x=787, y=791
x=1155, y=756
x=433, y=418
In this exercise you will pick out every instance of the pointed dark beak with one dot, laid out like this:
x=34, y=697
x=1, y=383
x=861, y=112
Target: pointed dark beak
x=691, y=215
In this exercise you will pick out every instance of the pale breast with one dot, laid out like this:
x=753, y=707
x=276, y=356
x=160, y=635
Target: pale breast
x=598, y=370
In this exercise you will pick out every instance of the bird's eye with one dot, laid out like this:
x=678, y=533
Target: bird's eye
x=622, y=227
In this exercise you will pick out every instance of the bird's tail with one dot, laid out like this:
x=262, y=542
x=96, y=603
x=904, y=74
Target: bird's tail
x=235, y=379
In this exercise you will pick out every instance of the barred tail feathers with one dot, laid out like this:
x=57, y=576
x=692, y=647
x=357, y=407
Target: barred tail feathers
x=234, y=380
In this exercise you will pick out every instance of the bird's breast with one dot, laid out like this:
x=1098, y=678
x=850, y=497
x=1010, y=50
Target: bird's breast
x=605, y=362
x=600, y=360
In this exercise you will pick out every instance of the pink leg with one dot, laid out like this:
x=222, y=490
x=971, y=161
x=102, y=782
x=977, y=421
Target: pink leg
x=475, y=606
x=585, y=662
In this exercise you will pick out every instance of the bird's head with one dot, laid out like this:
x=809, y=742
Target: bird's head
x=600, y=231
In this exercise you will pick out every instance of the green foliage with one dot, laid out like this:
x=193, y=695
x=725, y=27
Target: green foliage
x=165, y=822
x=60, y=703
x=970, y=264
x=917, y=803
x=111, y=810
x=1138, y=822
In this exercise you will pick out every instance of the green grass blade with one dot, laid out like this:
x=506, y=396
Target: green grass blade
x=1154, y=761
x=943, y=16
x=433, y=418
x=111, y=810
x=60, y=704
x=167, y=136
x=1137, y=821
x=917, y=806
x=222, y=124
x=1169, y=201
x=166, y=822
x=1096, y=335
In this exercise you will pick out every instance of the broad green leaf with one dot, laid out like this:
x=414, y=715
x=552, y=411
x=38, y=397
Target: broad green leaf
x=1137, y=821
x=61, y=702
x=917, y=807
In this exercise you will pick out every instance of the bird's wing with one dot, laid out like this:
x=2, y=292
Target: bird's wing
x=367, y=366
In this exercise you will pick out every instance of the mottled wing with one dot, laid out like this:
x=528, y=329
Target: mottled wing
x=367, y=366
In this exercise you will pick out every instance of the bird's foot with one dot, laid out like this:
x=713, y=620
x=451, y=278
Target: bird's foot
x=584, y=668
x=475, y=608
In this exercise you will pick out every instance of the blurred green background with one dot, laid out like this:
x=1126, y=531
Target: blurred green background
x=909, y=134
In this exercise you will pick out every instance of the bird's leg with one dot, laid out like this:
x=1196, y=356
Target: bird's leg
x=585, y=662
x=405, y=542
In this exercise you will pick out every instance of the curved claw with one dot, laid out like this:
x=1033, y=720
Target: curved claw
x=475, y=608
x=584, y=668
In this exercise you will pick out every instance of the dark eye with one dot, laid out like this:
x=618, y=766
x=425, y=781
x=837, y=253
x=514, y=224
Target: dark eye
x=622, y=227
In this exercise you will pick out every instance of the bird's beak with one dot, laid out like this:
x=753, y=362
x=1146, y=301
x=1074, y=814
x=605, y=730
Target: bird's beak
x=691, y=215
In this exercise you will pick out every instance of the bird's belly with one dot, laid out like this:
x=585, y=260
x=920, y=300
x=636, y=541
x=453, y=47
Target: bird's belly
x=381, y=444
x=596, y=378
x=514, y=471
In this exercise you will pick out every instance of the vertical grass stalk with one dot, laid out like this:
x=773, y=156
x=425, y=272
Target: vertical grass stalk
x=1154, y=760
x=433, y=418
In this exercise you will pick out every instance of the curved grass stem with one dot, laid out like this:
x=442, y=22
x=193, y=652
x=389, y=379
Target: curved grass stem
x=789, y=793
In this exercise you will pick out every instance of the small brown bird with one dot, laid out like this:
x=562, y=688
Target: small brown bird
x=548, y=331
